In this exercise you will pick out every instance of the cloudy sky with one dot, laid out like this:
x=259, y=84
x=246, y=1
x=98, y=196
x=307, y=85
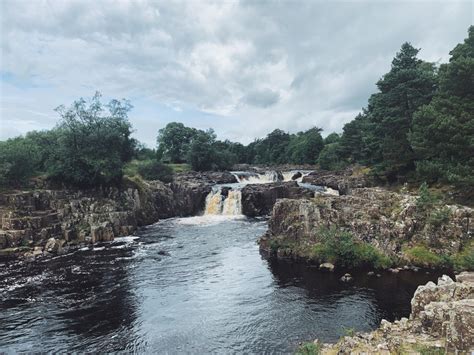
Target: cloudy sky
x=241, y=67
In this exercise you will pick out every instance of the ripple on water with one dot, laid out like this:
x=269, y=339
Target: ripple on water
x=193, y=285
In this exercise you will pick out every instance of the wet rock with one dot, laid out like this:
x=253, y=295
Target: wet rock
x=371, y=273
x=163, y=252
x=53, y=246
x=258, y=199
x=343, y=180
x=442, y=320
x=346, y=278
x=102, y=232
x=326, y=267
x=296, y=176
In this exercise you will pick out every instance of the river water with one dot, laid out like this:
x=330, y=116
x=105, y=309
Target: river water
x=187, y=285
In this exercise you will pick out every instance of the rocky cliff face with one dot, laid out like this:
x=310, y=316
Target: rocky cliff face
x=258, y=199
x=391, y=222
x=441, y=321
x=32, y=219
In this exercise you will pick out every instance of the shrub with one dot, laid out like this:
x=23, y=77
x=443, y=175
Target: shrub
x=426, y=200
x=308, y=349
x=465, y=259
x=154, y=170
x=422, y=256
x=340, y=248
x=439, y=217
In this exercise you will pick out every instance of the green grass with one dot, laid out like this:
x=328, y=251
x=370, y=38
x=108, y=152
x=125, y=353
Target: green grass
x=308, y=349
x=422, y=256
x=429, y=350
x=179, y=168
x=341, y=249
x=465, y=259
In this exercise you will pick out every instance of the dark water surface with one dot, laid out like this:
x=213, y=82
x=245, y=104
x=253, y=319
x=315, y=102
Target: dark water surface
x=192, y=285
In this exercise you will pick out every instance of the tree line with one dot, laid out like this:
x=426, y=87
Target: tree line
x=418, y=125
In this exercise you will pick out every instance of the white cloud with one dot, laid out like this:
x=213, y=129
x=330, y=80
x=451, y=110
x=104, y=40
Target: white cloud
x=254, y=66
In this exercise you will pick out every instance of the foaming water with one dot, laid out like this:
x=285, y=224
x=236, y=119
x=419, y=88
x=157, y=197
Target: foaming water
x=187, y=285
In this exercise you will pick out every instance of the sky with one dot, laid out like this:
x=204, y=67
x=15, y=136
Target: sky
x=242, y=68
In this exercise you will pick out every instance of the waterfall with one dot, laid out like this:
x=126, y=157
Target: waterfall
x=230, y=205
x=233, y=203
x=246, y=177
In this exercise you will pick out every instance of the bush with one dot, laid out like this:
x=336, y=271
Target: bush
x=17, y=162
x=439, y=217
x=154, y=170
x=426, y=200
x=308, y=349
x=340, y=248
x=465, y=259
x=93, y=143
x=421, y=256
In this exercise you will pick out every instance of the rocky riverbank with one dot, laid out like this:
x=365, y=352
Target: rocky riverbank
x=393, y=224
x=441, y=321
x=47, y=220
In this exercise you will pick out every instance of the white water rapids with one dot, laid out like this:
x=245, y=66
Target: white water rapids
x=218, y=204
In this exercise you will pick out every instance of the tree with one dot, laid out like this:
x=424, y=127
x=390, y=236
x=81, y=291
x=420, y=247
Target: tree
x=332, y=138
x=410, y=84
x=442, y=133
x=17, y=161
x=330, y=159
x=173, y=141
x=93, y=143
x=201, y=153
x=304, y=147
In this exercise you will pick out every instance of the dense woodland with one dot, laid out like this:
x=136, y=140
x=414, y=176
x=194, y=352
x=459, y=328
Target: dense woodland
x=418, y=126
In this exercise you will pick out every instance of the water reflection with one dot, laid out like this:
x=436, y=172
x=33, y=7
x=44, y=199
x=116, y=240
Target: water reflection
x=194, y=285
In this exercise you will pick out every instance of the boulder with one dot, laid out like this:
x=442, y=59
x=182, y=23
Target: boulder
x=326, y=267
x=258, y=199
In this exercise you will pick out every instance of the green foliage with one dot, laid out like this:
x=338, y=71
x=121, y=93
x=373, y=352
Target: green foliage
x=93, y=143
x=422, y=256
x=442, y=134
x=179, y=168
x=17, y=161
x=350, y=332
x=155, y=170
x=426, y=200
x=329, y=159
x=465, y=259
x=429, y=350
x=439, y=217
x=173, y=142
x=332, y=138
x=341, y=249
x=308, y=349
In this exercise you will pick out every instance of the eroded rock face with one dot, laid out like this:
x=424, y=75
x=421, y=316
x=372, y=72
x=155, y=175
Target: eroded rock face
x=258, y=199
x=386, y=220
x=442, y=318
x=33, y=218
x=343, y=180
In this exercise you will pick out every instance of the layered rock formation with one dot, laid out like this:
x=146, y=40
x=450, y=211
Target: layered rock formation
x=441, y=321
x=258, y=199
x=35, y=218
x=342, y=180
x=389, y=221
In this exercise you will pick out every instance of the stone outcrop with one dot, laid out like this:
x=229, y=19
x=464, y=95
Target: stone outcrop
x=342, y=180
x=387, y=220
x=30, y=219
x=258, y=199
x=441, y=321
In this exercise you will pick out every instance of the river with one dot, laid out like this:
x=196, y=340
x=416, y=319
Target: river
x=192, y=285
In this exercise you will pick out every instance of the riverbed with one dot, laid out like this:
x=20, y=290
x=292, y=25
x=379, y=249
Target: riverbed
x=194, y=285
